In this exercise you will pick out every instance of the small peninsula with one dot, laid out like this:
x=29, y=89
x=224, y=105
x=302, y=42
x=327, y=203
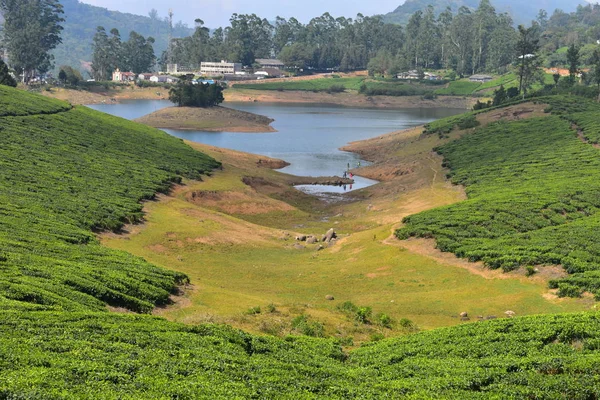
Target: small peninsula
x=214, y=119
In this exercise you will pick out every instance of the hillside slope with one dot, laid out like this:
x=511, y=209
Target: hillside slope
x=82, y=19
x=534, y=194
x=67, y=171
x=522, y=12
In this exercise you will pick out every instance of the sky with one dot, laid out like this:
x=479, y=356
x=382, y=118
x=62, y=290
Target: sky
x=216, y=13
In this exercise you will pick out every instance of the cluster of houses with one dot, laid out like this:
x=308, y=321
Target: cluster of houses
x=268, y=68
x=430, y=76
x=414, y=74
x=122, y=76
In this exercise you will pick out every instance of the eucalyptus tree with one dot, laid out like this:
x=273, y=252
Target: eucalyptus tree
x=249, y=37
x=461, y=35
x=102, y=65
x=485, y=23
x=500, y=47
x=526, y=49
x=138, y=53
x=31, y=30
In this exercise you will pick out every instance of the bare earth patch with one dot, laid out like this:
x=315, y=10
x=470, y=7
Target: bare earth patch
x=231, y=202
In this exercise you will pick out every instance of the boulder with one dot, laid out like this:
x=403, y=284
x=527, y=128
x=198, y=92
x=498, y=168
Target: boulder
x=299, y=246
x=509, y=313
x=329, y=297
x=320, y=247
x=301, y=238
x=311, y=240
x=329, y=235
x=464, y=314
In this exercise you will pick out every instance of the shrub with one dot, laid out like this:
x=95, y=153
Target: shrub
x=253, y=310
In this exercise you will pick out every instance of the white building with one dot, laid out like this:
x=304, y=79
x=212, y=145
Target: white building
x=219, y=68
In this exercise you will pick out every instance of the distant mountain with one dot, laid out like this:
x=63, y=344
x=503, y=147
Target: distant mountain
x=522, y=11
x=83, y=19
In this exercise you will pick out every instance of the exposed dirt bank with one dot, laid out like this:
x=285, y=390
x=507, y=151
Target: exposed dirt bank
x=99, y=95
x=215, y=119
x=347, y=99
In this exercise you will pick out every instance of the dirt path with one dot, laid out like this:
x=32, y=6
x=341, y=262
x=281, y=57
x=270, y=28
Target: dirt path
x=581, y=136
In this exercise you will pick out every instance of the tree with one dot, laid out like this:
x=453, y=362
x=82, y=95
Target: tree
x=69, y=75
x=5, y=77
x=188, y=94
x=527, y=46
x=138, y=54
x=596, y=73
x=62, y=76
x=102, y=63
x=499, y=96
x=573, y=60
x=31, y=29
x=556, y=78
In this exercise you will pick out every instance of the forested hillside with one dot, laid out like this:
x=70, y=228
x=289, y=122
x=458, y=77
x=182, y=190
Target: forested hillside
x=82, y=19
x=522, y=12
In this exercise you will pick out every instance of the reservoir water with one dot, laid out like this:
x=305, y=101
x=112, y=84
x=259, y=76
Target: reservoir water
x=308, y=136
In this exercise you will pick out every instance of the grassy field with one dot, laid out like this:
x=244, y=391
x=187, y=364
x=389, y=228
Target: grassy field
x=319, y=85
x=241, y=255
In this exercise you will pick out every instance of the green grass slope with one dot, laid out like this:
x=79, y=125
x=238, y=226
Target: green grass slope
x=534, y=195
x=65, y=172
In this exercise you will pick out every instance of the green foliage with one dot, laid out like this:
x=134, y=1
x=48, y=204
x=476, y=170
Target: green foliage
x=101, y=355
x=31, y=29
x=69, y=75
x=534, y=194
x=253, y=310
x=303, y=325
x=187, y=94
x=384, y=320
x=5, y=78
x=67, y=171
x=362, y=315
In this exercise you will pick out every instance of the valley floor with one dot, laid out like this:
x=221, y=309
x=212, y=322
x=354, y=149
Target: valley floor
x=234, y=235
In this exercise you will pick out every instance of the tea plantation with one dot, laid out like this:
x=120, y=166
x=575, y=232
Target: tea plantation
x=49, y=355
x=65, y=172
x=534, y=195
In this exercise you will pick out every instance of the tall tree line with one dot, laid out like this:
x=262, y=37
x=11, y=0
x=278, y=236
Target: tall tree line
x=109, y=53
x=468, y=42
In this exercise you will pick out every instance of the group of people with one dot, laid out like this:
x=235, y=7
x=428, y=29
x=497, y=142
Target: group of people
x=347, y=173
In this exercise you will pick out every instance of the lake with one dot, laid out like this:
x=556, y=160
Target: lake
x=308, y=135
